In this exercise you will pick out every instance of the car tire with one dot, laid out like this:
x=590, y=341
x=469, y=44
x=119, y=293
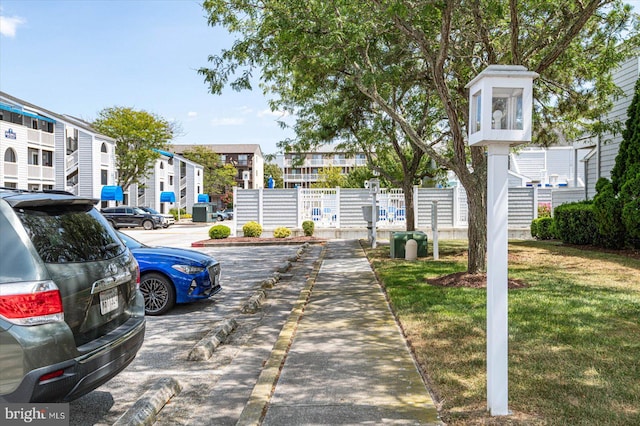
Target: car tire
x=148, y=225
x=159, y=294
x=220, y=218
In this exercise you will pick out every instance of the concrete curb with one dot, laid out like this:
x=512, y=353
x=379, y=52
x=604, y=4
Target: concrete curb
x=208, y=344
x=255, y=409
x=254, y=303
x=145, y=410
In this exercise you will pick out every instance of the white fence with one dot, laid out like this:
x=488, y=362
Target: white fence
x=341, y=208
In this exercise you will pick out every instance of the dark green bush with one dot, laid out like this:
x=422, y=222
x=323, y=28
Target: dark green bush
x=607, y=211
x=252, y=229
x=281, y=232
x=218, y=232
x=546, y=229
x=534, y=228
x=575, y=223
x=308, y=227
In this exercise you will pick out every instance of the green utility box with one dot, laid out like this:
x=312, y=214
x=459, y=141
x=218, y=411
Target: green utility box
x=399, y=240
x=203, y=212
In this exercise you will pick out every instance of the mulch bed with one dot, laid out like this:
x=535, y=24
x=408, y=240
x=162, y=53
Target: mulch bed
x=263, y=240
x=463, y=279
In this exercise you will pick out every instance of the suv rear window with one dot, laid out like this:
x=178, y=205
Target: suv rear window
x=70, y=234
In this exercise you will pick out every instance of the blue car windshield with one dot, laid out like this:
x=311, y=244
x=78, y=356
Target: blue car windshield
x=130, y=242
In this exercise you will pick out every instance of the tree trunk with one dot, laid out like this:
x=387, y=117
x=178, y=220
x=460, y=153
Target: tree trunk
x=477, y=229
x=408, y=205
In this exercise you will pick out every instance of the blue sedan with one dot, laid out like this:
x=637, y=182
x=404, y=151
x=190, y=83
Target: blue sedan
x=171, y=275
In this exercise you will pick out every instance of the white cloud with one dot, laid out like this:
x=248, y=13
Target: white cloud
x=269, y=113
x=192, y=114
x=229, y=121
x=8, y=26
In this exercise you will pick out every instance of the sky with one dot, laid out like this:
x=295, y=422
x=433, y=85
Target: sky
x=78, y=57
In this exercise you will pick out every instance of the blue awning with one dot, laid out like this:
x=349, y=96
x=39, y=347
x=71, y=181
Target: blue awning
x=203, y=198
x=165, y=153
x=167, y=197
x=27, y=113
x=111, y=193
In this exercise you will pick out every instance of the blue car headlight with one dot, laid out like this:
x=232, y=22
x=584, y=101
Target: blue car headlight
x=188, y=269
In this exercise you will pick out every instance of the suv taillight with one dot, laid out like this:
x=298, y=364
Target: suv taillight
x=137, y=275
x=31, y=303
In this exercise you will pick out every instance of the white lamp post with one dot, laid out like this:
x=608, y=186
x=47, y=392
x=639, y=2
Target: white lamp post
x=500, y=109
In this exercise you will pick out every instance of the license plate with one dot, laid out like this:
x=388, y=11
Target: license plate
x=108, y=300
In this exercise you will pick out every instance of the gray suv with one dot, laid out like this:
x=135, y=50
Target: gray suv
x=71, y=313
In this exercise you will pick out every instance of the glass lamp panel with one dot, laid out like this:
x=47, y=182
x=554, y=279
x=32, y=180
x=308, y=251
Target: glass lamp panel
x=506, y=107
x=476, y=112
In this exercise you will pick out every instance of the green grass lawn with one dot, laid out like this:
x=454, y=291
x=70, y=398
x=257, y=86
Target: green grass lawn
x=574, y=333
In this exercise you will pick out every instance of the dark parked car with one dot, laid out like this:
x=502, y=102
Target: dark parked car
x=71, y=314
x=130, y=217
x=173, y=275
x=167, y=219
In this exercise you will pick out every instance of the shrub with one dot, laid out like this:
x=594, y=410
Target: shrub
x=575, y=223
x=308, y=227
x=281, y=232
x=252, y=229
x=534, y=228
x=544, y=228
x=607, y=211
x=218, y=232
x=174, y=213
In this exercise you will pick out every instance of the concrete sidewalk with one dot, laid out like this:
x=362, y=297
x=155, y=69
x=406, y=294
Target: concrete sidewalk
x=345, y=359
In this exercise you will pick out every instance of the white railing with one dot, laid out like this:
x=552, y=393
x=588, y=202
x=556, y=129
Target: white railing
x=72, y=161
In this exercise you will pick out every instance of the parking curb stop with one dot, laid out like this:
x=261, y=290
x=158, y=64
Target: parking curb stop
x=144, y=411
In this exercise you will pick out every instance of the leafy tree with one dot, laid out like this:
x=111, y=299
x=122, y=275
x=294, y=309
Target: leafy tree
x=423, y=53
x=218, y=178
x=272, y=169
x=330, y=177
x=138, y=135
x=358, y=176
x=625, y=176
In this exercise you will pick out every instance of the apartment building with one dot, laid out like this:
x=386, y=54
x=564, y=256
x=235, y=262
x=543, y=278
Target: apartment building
x=174, y=182
x=45, y=150
x=302, y=169
x=246, y=158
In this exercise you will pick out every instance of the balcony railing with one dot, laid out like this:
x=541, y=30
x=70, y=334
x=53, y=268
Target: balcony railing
x=72, y=161
x=39, y=137
x=11, y=169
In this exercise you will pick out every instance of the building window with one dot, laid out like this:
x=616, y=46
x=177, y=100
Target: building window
x=161, y=186
x=223, y=158
x=103, y=148
x=10, y=156
x=171, y=180
x=33, y=157
x=170, y=161
x=34, y=187
x=47, y=187
x=161, y=165
x=11, y=185
x=34, y=123
x=47, y=158
x=242, y=160
x=104, y=180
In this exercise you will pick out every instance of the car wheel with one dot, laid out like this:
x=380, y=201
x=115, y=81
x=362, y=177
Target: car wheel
x=159, y=294
x=147, y=224
x=220, y=218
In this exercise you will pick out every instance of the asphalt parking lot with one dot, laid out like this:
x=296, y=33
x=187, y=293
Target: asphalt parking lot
x=170, y=338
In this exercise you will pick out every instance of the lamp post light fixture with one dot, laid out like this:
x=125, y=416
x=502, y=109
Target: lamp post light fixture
x=500, y=110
